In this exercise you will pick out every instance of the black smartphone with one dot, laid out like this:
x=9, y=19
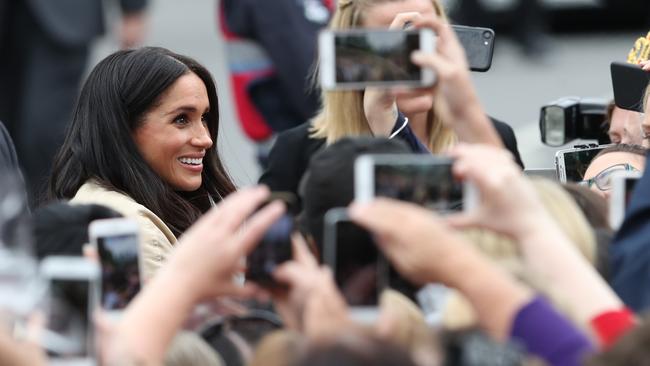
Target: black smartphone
x=351, y=253
x=360, y=270
x=478, y=43
x=275, y=247
x=629, y=82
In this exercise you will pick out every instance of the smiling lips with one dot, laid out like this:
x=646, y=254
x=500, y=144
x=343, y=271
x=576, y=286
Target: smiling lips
x=193, y=164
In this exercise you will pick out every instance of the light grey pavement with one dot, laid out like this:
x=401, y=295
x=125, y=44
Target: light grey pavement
x=513, y=90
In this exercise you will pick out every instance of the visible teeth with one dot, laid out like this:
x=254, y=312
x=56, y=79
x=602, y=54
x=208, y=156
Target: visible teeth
x=191, y=161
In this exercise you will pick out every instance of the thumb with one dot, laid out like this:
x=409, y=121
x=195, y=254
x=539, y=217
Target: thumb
x=464, y=220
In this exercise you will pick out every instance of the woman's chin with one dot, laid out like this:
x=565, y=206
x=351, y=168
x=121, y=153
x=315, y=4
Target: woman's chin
x=414, y=106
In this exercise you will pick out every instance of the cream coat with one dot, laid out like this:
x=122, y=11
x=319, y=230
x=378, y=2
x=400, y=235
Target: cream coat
x=156, y=240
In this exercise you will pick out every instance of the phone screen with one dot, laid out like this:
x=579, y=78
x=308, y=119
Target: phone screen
x=274, y=249
x=120, y=270
x=68, y=318
x=429, y=185
x=357, y=269
x=376, y=56
x=576, y=163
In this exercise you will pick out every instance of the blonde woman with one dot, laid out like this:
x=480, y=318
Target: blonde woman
x=437, y=117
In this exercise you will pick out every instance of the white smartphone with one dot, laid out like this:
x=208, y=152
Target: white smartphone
x=360, y=58
x=571, y=164
x=548, y=173
x=623, y=184
x=72, y=284
x=117, y=245
x=426, y=180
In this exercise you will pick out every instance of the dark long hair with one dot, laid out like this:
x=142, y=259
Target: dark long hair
x=98, y=145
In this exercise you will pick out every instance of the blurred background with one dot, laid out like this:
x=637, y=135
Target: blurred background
x=571, y=56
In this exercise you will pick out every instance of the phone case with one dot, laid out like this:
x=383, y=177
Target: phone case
x=629, y=83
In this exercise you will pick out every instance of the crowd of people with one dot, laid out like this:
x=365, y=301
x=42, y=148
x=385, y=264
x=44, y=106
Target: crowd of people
x=533, y=274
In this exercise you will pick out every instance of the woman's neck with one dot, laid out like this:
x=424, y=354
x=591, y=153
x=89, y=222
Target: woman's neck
x=418, y=123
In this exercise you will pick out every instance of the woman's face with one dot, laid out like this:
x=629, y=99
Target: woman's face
x=381, y=16
x=174, y=136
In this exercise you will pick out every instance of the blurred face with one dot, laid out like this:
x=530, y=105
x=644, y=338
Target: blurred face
x=381, y=16
x=607, y=164
x=625, y=127
x=174, y=136
x=645, y=125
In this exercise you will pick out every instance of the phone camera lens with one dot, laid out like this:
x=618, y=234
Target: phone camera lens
x=487, y=35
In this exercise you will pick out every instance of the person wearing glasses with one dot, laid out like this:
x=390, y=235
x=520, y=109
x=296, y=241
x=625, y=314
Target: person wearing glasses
x=613, y=159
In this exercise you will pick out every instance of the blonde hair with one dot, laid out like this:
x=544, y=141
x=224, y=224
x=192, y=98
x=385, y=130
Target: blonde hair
x=342, y=114
x=405, y=326
x=505, y=252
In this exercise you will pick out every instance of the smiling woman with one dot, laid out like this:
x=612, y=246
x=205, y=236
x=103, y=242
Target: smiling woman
x=142, y=142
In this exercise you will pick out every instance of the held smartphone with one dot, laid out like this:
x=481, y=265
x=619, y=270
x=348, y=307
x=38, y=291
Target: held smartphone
x=349, y=250
x=117, y=244
x=360, y=270
x=275, y=247
x=73, y=295
x=623, y=184
x=426, y=180
x=359, y=58
x=629, y=82
x=478, y=44
x=571, y=164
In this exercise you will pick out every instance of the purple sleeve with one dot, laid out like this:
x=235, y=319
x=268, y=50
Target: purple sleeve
x=403, y=131
x=549, y=335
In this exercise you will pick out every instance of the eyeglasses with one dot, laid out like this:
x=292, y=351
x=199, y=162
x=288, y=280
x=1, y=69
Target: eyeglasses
x=603, y=179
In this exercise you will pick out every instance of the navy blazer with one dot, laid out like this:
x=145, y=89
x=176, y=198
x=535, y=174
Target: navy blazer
x=630, y=251
x=75, y=22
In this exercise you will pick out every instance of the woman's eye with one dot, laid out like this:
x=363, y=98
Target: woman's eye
x=181, y=119
x=204, y=118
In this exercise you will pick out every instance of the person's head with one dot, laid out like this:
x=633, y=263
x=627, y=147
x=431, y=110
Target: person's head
x=329, y=179
x=146, y=123
x=624, y=125
x=596, y=210
x=62, y=229
x=343, y=113
x=613, y=159
x=645, y=125
x=505, y=252
x=352, y=349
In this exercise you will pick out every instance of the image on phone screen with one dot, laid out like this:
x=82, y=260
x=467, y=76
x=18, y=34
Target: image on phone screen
x=376, y=56
x=576, y=163
x=351, y=253
x=274, y=249
x=430, y=186
x=68, y=318
x=120, y=270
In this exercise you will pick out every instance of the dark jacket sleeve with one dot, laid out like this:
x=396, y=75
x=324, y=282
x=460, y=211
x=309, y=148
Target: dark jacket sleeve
x=508, y=138
x=289, y=158
x=630, y=251
x=288, y=37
